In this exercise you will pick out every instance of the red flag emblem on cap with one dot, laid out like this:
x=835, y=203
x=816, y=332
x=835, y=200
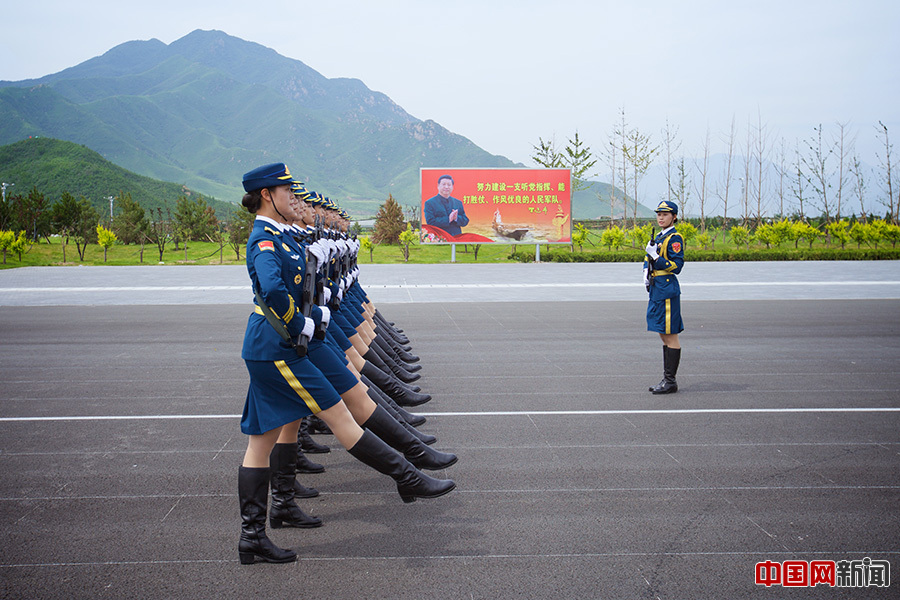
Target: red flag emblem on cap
x=676, y=247
x=266, y=245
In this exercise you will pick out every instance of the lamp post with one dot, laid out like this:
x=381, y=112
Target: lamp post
x=110, y=198
x=4, y=186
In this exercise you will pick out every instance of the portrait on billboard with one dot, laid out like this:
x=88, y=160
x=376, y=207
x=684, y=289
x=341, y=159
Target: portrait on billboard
x=496, y=206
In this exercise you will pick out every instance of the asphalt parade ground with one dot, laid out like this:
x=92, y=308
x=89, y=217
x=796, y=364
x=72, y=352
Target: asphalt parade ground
x=121, y=389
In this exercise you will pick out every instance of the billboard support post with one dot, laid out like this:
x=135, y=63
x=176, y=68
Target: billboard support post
x=537, y=253
x=453, y=253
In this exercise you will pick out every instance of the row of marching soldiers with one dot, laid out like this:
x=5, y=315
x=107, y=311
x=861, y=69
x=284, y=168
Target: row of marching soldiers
x=321, y=357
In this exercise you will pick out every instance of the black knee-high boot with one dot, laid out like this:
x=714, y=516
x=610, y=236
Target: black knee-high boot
x=384, y=401
x=389, y=384
x=411, y=483
x=398, y=348
x=671, y=358
x=285, y=512
x=307, y=444
x=398, y=371
x=385, y=346
x=382, y=424
x=253, y=491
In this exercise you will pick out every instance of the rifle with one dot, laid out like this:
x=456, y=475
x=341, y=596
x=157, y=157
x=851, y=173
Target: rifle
x=650, y=261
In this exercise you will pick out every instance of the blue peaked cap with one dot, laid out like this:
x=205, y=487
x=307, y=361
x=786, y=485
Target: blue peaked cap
x=267, y=176
x=667, y=206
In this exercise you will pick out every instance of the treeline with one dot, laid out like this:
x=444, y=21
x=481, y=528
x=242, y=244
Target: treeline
x=29, y=218
x=755, y=176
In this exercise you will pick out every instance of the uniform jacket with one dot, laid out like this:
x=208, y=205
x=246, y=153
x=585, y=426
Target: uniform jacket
x=276, y=265
x=437, y=213
x=669, y=263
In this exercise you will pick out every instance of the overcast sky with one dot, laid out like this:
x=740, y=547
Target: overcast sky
x=504, y=73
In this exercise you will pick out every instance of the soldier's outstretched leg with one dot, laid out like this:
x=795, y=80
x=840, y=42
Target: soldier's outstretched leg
x=671, y=358
x=389, y=384
x=411, y=483
x=396, y=436
x=253, y=491
x=384, y=401
x=285, y=512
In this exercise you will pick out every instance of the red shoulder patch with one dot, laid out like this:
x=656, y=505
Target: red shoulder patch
x=676, y=247
x=266, y=245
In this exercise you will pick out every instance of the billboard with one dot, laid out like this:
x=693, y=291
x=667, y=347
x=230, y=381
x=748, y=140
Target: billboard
x=506, y=206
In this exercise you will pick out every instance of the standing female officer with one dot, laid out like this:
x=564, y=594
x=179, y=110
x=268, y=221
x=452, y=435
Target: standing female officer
x=285, y=387
x=664, y=259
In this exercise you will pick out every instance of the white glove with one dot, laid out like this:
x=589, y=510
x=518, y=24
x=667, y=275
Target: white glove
x=309, y=328
x=646, y=277
x=327, y=293
x=317, y=251
x=326, y=315
x=332, y=248
x=651, y=250
x=340, y=295
x=342, y=245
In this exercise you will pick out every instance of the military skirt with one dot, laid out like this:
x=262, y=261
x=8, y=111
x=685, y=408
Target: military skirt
x=283, y=391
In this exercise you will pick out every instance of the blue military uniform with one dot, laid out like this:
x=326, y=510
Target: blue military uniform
x=664, y=308
x=283, y=387
x=662, y=263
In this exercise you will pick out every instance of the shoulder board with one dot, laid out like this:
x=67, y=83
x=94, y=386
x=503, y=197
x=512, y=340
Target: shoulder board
x=270, y=230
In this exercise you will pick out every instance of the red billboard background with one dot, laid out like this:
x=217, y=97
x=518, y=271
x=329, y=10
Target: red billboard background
x=503, y=205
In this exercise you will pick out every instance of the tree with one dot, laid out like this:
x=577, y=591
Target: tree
x=702, y=188
x=85, y=230
x=766, y=234
x=131, y=224
x=366, y=244
x=106, y=238
x=807, y=232
x=819, y=171
x=546, y=155
x=843, y=145
x=194, y=219
x=838, y=230
x=64, y=215
x=797, y=180
x=31, y=213
x=681, y=188
x=239, y=226
x=888, y=176
x=579, y=160
x=892, y=234
x=639, y=152
x=861, y=232
x=613, y=237
x=740, y=235
x=728, y=177
x=407, y=237
x=759, y=173
x=160, y=231
x=579, y=236
x=672, y=145
x=688, y=232
x=859, y=185
x=7, y=239
x=388, y=222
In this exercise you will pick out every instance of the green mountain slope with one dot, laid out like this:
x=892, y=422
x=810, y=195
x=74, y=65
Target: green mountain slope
x=54, y=167
x=209, y=107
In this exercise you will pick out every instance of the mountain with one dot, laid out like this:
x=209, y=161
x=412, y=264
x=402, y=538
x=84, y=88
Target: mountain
x=54, y=167
x=208, y=107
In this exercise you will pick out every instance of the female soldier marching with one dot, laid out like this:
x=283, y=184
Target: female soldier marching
x=285, y=386
x=663, y=261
